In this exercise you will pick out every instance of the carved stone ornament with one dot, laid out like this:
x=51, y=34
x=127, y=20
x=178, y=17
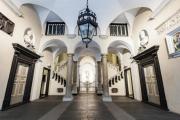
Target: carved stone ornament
x=29, y=39
x=170, y=23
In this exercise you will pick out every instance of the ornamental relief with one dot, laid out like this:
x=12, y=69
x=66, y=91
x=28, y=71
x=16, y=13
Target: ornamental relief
x=172, y=22
x=6, y=25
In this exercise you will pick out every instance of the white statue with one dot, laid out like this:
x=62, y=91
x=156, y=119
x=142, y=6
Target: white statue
x=144, y=39
x=29, y=39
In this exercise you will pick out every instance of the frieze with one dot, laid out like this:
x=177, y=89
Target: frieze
x=6, y=25
x=170, y=23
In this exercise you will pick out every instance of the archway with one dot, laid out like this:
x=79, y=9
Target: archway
x=87, y=74
x=119, y=63
x=86, y=60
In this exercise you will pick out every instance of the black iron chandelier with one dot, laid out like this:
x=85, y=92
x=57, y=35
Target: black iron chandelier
x=87, y=24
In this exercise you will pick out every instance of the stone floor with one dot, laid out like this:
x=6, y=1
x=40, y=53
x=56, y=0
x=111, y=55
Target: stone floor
x=87, y=107
x=31, y=111
x=142, y=111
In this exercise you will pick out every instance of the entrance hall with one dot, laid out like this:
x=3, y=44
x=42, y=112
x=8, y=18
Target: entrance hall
x=89, y=59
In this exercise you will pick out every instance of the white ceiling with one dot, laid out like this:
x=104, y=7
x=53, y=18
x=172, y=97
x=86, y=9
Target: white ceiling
x=107, y=11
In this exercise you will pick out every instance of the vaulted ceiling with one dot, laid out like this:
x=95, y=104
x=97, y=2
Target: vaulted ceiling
x=107, y=11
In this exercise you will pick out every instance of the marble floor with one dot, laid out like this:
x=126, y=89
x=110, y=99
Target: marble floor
x=87, y=107
x=31, y=111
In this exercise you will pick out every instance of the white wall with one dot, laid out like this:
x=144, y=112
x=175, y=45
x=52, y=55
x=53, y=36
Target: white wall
x=54, y=83
x=120, y=85
x=29, y=20
x=45, y=61
x=169, y=67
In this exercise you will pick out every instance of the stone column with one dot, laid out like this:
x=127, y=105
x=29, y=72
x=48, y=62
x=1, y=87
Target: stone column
x=106, y=96
x=68, y=96
x=74, y=89
x=99, y=89
x=78, y=77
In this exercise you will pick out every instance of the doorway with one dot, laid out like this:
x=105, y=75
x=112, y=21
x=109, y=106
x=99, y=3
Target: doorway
x=45, y=83
x=20, y=78
x=87, y=75
x=128, y=83
x=150, y=78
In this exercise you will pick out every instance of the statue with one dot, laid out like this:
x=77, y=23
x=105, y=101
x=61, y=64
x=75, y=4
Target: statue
x=29, y=39
x=144, y=39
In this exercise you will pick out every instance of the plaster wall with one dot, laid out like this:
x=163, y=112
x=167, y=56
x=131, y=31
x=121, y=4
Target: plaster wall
x=120, y=85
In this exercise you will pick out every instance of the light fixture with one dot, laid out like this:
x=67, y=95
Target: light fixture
x=87, y=24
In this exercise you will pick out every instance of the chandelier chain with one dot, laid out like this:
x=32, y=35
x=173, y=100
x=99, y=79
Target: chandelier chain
x=87, y=3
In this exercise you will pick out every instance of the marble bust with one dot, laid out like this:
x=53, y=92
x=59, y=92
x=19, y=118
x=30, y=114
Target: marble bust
x=144, y=39
x=29, y=39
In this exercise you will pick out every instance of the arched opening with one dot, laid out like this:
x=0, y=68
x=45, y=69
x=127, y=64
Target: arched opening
x=87, y=72
x=54, y=57
x=86, y=67
x=119, y=69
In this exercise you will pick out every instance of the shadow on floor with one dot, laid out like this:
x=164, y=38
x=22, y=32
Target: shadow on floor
x=31, y=111
x=142, y=111
x=87, y=107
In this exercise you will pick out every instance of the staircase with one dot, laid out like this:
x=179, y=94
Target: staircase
x=113, y=70
x=116, y=80
x=59, y=76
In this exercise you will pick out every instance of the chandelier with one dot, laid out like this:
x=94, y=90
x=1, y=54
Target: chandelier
x=87, y=25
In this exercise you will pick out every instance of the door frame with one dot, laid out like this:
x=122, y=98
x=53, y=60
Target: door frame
x=25, y=56
x=143, y=59
x=47, y=84
x=126, y=83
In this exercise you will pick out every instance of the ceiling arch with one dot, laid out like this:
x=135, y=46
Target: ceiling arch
x=93, y=50
x=55, y=45
x=105, y=10
x=119, y=46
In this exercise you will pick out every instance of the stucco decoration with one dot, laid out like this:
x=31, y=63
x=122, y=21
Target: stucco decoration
x=29, y=39
x=144, y=40
x=171, y=23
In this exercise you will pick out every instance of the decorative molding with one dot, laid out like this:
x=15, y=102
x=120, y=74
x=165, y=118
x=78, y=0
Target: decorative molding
x=13, y=7
x=148, y=52
x=103, y=36
x=25, y=51
x=71, y=36
x=163, y=4
x=170, y=23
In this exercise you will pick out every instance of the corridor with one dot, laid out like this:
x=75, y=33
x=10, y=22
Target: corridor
x=87, y=107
